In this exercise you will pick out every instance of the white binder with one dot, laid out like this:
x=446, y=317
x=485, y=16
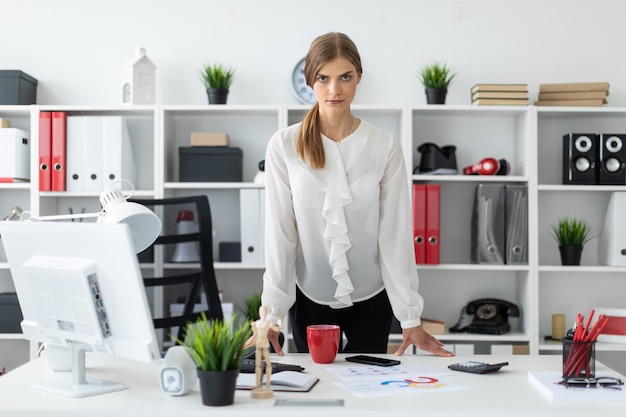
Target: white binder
x=252, y=214
x=92, y=153
x=74, y=169
x=118, y=160
x=612, y=248
x=99, y=153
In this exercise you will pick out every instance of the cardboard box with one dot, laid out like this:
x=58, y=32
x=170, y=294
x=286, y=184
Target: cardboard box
x=17, y=87
x=209, y=139
x=10, y=313
x=4, y=123
x=210, y=164
x=14, y=155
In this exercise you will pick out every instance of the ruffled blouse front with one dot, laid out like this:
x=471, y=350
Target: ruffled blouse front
x=323, y=226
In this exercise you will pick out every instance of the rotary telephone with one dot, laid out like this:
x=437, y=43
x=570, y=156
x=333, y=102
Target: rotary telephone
x=489, y=316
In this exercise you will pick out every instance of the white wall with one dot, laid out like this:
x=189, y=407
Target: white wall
x=75, y=48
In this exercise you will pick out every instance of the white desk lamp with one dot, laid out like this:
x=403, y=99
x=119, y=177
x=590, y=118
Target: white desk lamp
x=144, y=225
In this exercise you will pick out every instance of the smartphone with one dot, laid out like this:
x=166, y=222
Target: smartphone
x=373, y=360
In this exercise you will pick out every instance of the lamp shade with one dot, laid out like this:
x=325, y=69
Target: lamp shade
x=144, y=225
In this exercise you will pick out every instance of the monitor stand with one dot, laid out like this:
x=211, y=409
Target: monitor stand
x=80, y=385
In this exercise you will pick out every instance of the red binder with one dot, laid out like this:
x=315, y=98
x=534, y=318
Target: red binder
x=45, y=155
x=433, y=193
x=419, y=222
x=59, y=123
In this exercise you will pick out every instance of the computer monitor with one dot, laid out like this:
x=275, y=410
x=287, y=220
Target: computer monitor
x=79, y=286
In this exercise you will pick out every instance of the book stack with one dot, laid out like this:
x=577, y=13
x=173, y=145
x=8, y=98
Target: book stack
x=500, y=94
x=592, y=94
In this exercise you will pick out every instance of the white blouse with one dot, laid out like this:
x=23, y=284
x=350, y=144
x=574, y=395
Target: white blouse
x=342, y=233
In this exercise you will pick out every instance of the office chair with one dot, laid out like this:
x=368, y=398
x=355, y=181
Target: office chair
x=197, y=281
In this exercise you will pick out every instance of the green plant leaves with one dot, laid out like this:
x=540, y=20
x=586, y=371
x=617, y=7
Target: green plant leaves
x=436, y=75
x=570, y=231
x=217, y=345
x=252, y=303
x=217, y=76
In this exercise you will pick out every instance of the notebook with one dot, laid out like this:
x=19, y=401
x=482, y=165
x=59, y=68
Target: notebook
x=281, y=381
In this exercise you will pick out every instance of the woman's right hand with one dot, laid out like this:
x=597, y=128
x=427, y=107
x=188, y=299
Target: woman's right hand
x=272, y=336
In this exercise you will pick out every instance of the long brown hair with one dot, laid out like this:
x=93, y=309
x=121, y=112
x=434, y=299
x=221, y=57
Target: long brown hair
x=323, y=49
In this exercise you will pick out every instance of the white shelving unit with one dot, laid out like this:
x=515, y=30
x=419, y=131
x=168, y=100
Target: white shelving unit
x=528, y=137
x=572, y=290
x=477, y=133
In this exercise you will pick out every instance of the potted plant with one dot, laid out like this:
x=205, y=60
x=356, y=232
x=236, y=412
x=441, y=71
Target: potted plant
x=251, y=306
x=217, y=79
x=217, y=348
x=571, y=234
x=436, y=77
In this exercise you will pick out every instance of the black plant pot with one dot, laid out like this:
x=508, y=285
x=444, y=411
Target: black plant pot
x=217, y=388
x=436, y=95
x=217, y=95
x=570, y=255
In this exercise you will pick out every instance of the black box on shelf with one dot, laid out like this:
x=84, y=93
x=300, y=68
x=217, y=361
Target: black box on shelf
x=210, y=164
x=229, y=252
x=17, y=87
x=10, y=313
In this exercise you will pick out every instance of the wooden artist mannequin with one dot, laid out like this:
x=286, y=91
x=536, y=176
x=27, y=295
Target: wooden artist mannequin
x=260, y=328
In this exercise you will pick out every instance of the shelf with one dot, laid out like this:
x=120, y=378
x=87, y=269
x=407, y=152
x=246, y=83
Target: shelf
x=472, y=267
x=470, y=178
x=580, y=188
x=12, y=336
x=216, y=265
x=14, y=186
x=210, y=185
x=556, y=345
x=474, y=337
x=91, y=194
x=583, y=269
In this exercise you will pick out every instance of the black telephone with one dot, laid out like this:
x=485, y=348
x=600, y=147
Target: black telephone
x=490, y=316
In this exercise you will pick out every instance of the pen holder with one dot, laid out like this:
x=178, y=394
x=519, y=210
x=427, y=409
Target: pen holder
x=579, y=359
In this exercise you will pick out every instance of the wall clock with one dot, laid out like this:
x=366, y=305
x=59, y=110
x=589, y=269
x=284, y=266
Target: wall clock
x=303, y=92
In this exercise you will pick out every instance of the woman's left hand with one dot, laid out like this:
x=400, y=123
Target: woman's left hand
x=423, y=340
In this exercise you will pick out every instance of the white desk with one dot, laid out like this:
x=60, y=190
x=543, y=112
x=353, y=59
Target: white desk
x=505, y=393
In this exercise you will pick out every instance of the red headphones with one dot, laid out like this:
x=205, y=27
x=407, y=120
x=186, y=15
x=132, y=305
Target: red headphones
x=488, y=166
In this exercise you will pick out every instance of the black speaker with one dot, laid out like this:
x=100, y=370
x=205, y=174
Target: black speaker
x=579, y=158
x=612, y=158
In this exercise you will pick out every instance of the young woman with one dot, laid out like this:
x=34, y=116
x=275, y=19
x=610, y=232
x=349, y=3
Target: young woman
x=338, y=222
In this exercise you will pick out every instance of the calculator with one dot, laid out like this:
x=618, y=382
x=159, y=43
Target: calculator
x=477, y=367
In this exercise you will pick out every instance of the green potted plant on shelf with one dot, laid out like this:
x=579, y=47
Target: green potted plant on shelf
x=251, y=306
x=436, y=77
x=217, y=79
x=217, y=348
x=571, y=234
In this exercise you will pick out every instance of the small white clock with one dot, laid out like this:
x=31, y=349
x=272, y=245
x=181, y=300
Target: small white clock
x=302, y=91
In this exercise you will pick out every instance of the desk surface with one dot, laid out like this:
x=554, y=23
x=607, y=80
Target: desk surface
x=505, y=393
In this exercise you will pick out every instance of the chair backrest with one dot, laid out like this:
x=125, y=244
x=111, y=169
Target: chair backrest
x=198, y=282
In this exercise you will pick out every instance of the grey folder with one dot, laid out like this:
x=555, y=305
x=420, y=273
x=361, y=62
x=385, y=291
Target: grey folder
x=500, y=224
x=516, y=216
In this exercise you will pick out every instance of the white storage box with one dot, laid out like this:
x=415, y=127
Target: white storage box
x=14, y=155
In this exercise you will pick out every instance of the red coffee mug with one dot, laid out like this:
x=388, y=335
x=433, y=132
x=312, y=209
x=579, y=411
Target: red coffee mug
x=323, y=341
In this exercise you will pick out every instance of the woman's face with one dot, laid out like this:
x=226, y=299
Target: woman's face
x=335, y=84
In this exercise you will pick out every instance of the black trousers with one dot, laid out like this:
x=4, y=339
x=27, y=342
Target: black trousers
x=365, y=324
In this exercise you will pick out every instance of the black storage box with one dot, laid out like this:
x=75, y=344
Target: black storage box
x=229, y=252
x=210, y=164
x=17, y=87
x=10, y=313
